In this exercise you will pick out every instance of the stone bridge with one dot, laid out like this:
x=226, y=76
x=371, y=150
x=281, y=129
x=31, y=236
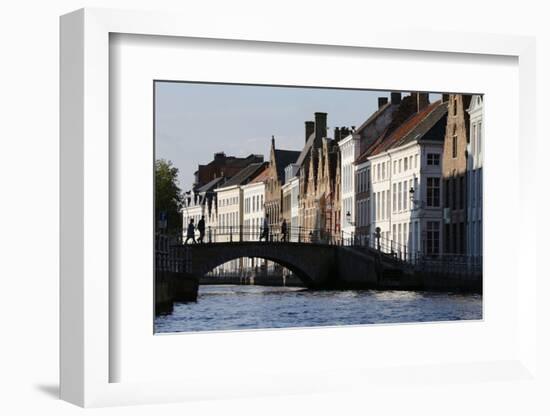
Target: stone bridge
x=317, y=265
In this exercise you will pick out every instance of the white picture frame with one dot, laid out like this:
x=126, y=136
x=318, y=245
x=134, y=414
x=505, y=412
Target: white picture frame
x=87, y=303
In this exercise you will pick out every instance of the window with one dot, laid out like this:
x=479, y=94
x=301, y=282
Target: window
x=405, y=164
x=433, y=159
x=394, y=197
x=378, y=172
x=432, y=238
x=433, y=192
x=447, y=185
x=399, y=199
x=455, y=143
x=455, y=106
x=374, y=201
x=400, y=163
x=415, y=161
x=394, y=167
x=405, y=194
x=388, y=204
x=383, y=206
x=461, y=192
x=383, y=171
x=410, y=162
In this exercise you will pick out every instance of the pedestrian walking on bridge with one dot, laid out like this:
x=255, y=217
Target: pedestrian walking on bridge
x=191, y=231
x=265, y=229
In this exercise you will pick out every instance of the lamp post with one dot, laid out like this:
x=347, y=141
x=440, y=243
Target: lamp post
x=415, y=205
x=350, y=222
x=414, y=202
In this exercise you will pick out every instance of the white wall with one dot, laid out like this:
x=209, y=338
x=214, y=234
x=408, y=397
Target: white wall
x=253, y=211
x=29, y=209
x=349, y=148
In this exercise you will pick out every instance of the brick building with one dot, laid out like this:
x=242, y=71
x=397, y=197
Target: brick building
x=223, y=166
x=454, y=166
x=279, y=159
x=319, y=180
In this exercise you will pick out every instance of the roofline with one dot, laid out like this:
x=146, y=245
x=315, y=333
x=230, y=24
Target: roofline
x=225, y=188
x=374, y=115
x=251, y=184
x=348, y=138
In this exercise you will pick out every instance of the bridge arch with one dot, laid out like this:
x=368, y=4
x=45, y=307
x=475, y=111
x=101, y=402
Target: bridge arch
x=296, y=270
x=312, y=264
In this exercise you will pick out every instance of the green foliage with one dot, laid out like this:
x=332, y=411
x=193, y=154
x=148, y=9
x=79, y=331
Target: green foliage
x=168, y=196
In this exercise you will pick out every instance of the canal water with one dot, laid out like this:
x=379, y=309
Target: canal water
x=235, y=307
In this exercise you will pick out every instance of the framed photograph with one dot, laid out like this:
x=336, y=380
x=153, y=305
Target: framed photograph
x=290, y=212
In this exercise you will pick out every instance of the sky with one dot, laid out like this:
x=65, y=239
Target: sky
x=193, y=121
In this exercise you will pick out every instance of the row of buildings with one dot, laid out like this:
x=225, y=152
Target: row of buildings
x=411, y=173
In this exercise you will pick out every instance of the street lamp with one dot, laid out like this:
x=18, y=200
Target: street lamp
x=415, y=202
x=348, y=219
x=352, y=223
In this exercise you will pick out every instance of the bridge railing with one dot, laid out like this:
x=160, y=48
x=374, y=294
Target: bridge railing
x=451, y=264
x=169, y=256
x=361, y=241
x=273, y=233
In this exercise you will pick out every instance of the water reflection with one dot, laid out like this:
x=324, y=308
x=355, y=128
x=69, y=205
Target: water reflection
x=229, y=307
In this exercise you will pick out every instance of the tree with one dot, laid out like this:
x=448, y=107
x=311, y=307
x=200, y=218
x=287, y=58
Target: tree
x=168, y=198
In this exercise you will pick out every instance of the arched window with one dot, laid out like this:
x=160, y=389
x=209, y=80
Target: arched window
x=455, y=142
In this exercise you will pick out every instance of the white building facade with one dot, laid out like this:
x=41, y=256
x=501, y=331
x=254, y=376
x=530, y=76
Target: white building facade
x=349, y=151
x=291, y=201
x=474, y=174
x=195, y=207
x=253, y=210
x=405, y=201
x=405, y=181
x=229, y=214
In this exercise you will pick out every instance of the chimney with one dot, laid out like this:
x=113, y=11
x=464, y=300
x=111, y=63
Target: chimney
x=395, y=97
x=320, y=125
x=336, y=133
x=310, y=128
x=382, y=101
x=422, y=100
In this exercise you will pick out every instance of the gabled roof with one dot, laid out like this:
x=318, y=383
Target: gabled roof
x=261, y=177
x=213, y=184
x=418, y=126
x=245, y=175
x=305, y=151
x=283, y=158
x=373, y=117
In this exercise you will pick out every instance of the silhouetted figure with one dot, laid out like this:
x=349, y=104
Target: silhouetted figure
x=265, y=229
x=191, y=231
x=201, y=227
x=284, y=231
